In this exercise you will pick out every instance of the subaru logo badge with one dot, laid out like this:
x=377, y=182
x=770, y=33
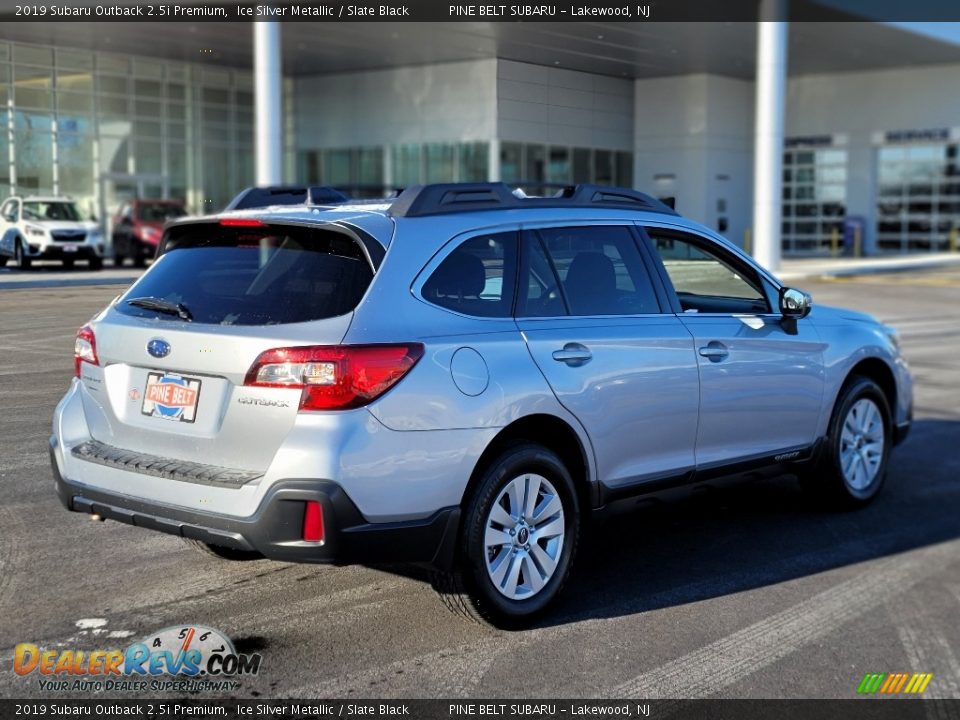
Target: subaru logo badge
x=158, y=348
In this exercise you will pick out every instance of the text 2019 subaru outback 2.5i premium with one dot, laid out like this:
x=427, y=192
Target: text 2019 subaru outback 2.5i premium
x=459, y=377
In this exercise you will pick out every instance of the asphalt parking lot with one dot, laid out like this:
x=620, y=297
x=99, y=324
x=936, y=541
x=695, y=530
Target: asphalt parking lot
x=747, y=592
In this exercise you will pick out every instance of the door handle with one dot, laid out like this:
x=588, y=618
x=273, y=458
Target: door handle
x=573, y=354
x=714, y=351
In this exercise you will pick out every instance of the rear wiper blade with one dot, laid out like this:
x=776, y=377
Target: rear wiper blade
x=162, y=306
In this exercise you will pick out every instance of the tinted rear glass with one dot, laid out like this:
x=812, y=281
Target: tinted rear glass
x=159, y=212
x=254, y=276
x=264, y=197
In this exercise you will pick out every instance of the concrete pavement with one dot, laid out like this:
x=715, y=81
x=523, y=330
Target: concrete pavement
x=749, y=592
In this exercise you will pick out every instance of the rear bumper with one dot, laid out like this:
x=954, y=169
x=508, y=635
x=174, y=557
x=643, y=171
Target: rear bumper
x=275, y=529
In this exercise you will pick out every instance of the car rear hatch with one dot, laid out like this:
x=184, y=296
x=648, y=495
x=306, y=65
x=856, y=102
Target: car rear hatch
x=173, y=353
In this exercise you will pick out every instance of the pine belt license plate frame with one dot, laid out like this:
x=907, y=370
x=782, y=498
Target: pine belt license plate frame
x=171, y=397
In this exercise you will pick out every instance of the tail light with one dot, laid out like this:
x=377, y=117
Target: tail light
x=84, y=349
x=242, y=222
x=335, y=377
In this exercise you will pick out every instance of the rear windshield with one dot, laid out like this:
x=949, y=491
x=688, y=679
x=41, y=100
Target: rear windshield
x=253, y=276
x=159, y=212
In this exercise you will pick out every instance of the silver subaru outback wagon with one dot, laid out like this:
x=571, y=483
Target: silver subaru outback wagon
x=459, y=377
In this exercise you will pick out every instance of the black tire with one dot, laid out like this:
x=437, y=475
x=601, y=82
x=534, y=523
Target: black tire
x=221, y=552
x=24, y=262
x=139, y=260
x=470, y=590
x=826, y=478
x=96, y=262
x=3, y=260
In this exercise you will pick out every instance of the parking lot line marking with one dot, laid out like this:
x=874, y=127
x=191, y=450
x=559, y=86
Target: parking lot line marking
x=703, y=672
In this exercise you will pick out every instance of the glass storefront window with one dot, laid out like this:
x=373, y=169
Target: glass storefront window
x=337, y=168
x=31, y=97
x=148, y=88
x=438, y=162
x=25, y=121
x=581, y=165
x=148, y=157
x=74, y=108
x=73, y=60
x=113, y=85
x=369, y=168
x=75, y=165
x=114, y=152
x=118, y=64
x=5, y=188
x=110, y=108
x=511, y=157
x=216, y=95
x=534, y=166
x=32, y=55
x=406, y=165
x=217, y=188
x=625, y=169
x=474, y=162
x=919, y=199
x=815, y=196
x=558, y=169
x=603, y=167
x=34, y=161
x=146, y=108
x=71, y=80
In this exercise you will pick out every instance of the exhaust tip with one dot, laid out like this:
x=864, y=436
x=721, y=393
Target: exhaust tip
x=96, y=517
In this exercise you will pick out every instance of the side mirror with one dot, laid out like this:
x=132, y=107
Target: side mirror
x=795, y=303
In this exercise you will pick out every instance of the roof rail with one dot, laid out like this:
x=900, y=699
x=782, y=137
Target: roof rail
x=445, y=198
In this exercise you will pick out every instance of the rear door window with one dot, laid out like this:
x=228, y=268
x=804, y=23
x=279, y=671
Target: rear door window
x=269, y=275
x=600, y=272
x=477, y=278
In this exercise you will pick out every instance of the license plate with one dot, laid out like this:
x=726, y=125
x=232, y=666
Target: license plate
x=171, y=397
x=69, y=248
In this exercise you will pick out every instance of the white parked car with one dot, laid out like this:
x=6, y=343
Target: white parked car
x=48, y=228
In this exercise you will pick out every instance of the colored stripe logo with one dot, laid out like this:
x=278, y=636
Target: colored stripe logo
x=894, y=683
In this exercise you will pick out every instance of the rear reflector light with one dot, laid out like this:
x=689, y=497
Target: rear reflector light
x=84, y=349
x=335, y=377
x=242, y=222
x=313, y=522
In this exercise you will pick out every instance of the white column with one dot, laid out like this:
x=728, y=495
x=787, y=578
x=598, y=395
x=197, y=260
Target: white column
x=493, y=161
x=768, y=133
x=268, y=86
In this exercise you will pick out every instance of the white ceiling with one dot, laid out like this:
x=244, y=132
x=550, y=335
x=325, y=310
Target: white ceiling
x=617, y=49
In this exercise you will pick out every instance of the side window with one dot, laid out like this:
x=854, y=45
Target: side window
x=477, y=278
x=10, y=211
x=600, y=271
x=705, y=280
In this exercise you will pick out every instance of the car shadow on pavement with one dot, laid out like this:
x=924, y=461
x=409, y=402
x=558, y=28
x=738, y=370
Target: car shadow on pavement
x=744, y=536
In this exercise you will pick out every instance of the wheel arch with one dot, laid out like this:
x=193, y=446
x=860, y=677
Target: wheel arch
x=553, y=433
x=875, y=369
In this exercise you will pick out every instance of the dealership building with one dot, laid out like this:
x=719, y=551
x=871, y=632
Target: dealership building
x=869, y=134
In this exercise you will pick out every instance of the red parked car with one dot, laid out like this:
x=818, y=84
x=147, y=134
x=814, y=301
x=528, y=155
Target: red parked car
x=137, y=228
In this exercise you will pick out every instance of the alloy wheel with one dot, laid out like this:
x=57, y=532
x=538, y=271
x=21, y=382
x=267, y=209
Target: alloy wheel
x=524, y=535
x=862, y=444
